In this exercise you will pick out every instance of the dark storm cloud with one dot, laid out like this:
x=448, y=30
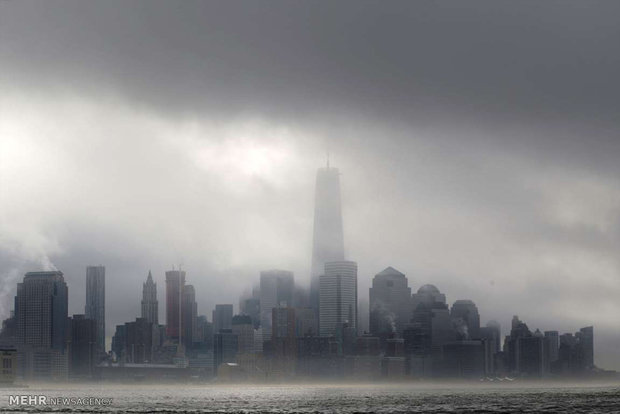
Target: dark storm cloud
x=478, y=143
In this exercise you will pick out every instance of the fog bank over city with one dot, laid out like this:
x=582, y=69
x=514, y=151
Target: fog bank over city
x=478, y=149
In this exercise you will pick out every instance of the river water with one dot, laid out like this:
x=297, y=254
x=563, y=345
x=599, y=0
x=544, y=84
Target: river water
x=416, y=398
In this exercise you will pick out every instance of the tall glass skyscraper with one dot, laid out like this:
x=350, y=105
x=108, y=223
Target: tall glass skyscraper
x=337, y=297
x=95, y=302
x=328, y=243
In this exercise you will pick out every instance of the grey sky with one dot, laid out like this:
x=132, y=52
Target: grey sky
x=478, y=143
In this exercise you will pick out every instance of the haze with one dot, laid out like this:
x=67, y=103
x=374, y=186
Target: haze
x=478, y=144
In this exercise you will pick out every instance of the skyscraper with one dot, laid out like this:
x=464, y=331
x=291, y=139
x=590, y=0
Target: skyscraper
x=41, y=313
x=175, y=281
x=95, y=302
x=466, y=319
x=328, y=241
x=337, y=297
x=276, y=289
x=222, y=317
x=41, y=310
x=390, y=303
x=150, y=310
x=190, y=315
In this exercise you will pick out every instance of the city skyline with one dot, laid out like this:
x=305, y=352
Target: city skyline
x=478, y=148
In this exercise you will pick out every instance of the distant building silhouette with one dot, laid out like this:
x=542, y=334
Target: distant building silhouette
x=175, y=282
x=83, y=346
x=328, y=239
x=276, y=289
x=338, y=297
x=95, y=302
x=190, y=315
x=465, y=317
x=222, y=317
x=390, y=303
x=150, y=309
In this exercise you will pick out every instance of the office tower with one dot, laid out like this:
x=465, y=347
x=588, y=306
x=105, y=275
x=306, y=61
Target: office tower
x=337, y=297
x=586, y=340
x=41, y=310
x=390, y=303
x=83, y=334
x=243, y=328
x=138, y=347
x=251, y=307
x=328, y=240
x=427, y=294
x=306, y=323
x=222, y=317
x=276, y=289
x=118, y=343
x=95, y=302
x=494, y=329
x=175, y=281
x=41, y=315
x=205, y=332
x=225, y=347
x=150, y=309
x=190, y=315
x=466, y=319
x=491, y=337
x=553, y=341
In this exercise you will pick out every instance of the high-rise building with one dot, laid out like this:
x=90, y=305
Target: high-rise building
x=83, y=346
x=150, y=310
x=553, y=342
x=338, y=297
x=586, y=340
x=466, y=319
x=138, y=347
x=276, y=289
x=41, y=310
x=243, y=328
x=190, y=315
x=222, y=317
x=175, y=281
x=95, y=302
x=41, y=314
x=390, y=303
x=328, y=240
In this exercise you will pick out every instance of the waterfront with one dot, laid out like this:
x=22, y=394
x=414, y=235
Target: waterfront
x=417, y=398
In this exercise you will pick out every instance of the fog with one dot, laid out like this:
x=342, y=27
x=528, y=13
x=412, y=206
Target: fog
x=478, y=145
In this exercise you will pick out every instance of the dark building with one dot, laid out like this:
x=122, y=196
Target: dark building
x=118, y=343
x=83, y=346
x=41, y=316
x=390, y=303
x=243, y=328
x=464, y=359
x=222, y=317
x=138, y=347
x=205, y=332
x=465, y=317
x=175, y=282
x=95, y=303
x=150, y=308
x=190, y=315
x=225, y=347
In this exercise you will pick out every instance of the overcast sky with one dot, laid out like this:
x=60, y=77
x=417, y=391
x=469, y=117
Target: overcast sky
x=478, y=143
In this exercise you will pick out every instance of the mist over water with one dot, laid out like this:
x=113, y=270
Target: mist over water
x=353, y=398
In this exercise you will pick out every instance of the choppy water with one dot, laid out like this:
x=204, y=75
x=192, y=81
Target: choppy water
x=414, y=398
